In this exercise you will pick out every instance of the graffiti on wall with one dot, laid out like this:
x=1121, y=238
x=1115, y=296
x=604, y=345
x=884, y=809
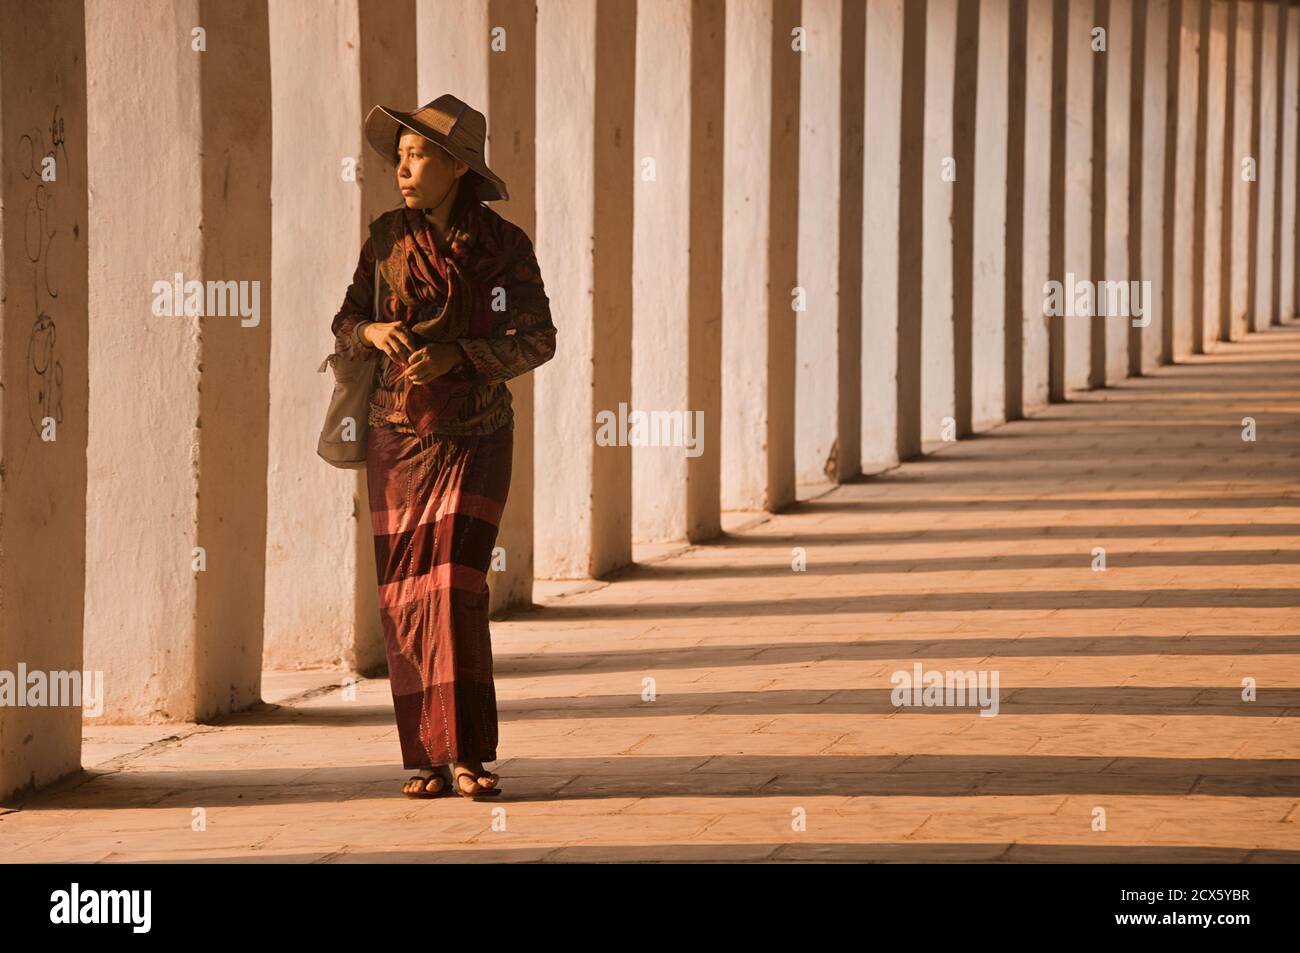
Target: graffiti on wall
x=43, y=154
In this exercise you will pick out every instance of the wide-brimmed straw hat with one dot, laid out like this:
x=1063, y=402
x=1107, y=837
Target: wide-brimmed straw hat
x=457, y=127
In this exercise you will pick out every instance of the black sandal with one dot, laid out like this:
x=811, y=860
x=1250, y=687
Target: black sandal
x=479, y=791
x=423, y=791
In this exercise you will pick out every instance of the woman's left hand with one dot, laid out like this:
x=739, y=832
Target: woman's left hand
x=431, y=362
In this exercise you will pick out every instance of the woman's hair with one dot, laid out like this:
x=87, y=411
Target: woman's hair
x=466, y=196
x=470, y=184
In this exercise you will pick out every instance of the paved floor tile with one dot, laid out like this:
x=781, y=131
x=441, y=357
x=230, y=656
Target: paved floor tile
x=712, y=704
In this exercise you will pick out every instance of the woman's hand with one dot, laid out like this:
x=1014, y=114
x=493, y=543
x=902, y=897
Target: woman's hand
x=431, y=362
x=392, y=338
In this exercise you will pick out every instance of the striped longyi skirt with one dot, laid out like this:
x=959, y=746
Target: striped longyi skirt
x=435, y=506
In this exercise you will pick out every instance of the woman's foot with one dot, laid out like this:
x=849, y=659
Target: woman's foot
x=484, y=777
x=473, y=781
x=430, y=782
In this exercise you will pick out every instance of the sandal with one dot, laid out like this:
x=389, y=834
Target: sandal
x=484, y=777
x=476, y=790
x=442, y=788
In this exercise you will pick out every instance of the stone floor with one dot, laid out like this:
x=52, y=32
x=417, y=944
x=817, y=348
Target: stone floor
x=714, y=704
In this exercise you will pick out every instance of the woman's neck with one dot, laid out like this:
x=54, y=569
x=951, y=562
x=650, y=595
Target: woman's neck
x=439, y=217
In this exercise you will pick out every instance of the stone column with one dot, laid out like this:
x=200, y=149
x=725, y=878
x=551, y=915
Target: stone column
x=388, y=71
x=1199, y=186
x=388, y=31
x=44, y=414
x=760, y=254
x=1056, y=197
x=828, y=312
x=1288, y=306
x=1218, y=174
x=1146, y=178
x=234, y=356
x=911, y=212
x=321, y=584
x=454, y=41
x=881, y=239
x=1027, y=252
x=941, y=169
x=145, y=527
x=1229, y=269
x=987, y=306
x=1110, y=329
x=1078, y=61
x=1183, y=71
x=586, y=63
x=852, y=41
x=512, y=151
x=965, y=132
x=1100, y=45
x=676, y=328
x=1276, y=306
x=1013, y=334
x=1263, y=311
x=484, y=52
x=1239, y=132
x=1146, y=340
x=196, y=537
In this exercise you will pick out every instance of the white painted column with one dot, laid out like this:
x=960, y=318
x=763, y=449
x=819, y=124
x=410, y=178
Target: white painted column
x=989, y=250
x=453, y=49
x=586, y=61
x=1217, y=177
x=1118, y=62
x=320, y=572
x=197, y=532
x=852, y=146
x=912, y=181
x=44, y=413
x=938, y=398
x=1037, y=203
x=1184, y=217
x=144, y=522
x=1266, y=187
x=661, y=222
x=760, y=239
x=234, y=357
x=880, y=234
x=1287, y=307
x=1080, y=62
x=1155, y=77
x=1278, y=80
x=1242, y=152
x=473, y=49
x=147, y=644
x=819, y=316
x=676, y=328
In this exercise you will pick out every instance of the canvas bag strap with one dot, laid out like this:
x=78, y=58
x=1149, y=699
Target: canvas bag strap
x=374, y=310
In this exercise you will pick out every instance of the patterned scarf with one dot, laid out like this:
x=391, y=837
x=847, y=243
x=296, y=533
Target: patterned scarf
x=443, y=289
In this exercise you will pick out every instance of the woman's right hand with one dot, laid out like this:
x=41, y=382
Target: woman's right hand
x=392, y=338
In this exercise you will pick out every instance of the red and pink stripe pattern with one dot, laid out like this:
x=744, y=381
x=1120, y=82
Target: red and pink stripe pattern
x=435, y=507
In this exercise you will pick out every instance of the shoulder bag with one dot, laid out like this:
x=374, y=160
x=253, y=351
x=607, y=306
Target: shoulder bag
x=343, y=438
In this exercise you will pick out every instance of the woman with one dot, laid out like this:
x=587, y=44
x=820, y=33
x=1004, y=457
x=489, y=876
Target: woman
x=462, y=310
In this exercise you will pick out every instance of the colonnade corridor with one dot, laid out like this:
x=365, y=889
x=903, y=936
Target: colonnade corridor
x=732, y=700
x=903, y=462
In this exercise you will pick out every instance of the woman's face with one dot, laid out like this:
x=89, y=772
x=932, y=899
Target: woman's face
x=425, y=171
